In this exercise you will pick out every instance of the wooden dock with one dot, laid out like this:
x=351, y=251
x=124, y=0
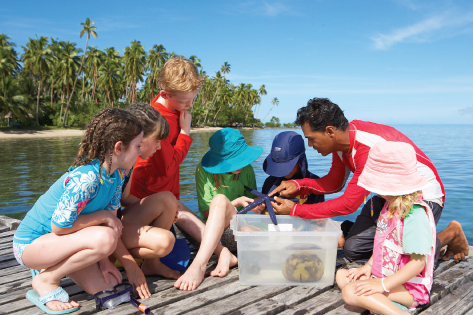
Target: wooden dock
x=452, y=292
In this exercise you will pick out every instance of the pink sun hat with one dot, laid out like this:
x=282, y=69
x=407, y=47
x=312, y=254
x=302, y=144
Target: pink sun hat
x=391, y=170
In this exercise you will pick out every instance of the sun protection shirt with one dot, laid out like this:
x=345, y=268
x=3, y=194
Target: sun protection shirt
x=160, y=172
x=232, y=189
x=363, y=135
x=78, y=191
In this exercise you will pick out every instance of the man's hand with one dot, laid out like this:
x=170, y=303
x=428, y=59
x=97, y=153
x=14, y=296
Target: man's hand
x=185, y=121
x=285, y=189
x=282, y=206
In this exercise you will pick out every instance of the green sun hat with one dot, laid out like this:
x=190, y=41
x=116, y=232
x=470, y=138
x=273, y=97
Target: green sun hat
x=229, y=152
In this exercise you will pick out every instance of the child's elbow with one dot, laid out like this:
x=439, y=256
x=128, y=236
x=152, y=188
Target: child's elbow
x=58, y=230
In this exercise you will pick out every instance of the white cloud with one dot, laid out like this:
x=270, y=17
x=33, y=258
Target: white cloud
x=466, y=111
x=427, y=30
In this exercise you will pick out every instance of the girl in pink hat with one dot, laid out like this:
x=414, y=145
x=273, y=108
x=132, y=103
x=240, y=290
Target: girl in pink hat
x=401, y=267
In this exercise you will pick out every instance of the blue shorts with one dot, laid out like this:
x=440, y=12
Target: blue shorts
x=18, y=252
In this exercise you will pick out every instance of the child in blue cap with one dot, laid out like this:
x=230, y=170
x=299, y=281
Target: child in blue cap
x=287, y=161
x=219, y=181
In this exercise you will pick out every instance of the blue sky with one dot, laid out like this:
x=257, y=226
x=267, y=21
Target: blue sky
x=387, y=61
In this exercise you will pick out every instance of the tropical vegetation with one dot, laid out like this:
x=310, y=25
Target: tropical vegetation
x=53, y=82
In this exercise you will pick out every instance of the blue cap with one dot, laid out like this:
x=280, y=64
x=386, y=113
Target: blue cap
x=229, y=152
x=287, y=149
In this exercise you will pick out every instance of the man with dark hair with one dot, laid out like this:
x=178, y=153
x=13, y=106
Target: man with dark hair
x=329, y=132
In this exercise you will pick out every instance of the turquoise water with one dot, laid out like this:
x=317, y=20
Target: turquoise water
x=30, y=166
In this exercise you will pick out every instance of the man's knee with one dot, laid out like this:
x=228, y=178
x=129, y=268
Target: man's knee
x=356, y=250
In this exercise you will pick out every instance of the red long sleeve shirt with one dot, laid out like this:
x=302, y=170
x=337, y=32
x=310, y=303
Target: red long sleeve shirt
x=160, y=172
x=363, y=135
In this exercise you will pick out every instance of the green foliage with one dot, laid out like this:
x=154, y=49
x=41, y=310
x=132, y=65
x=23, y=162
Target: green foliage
x=274, y=122
x=59, y=84
x=289, y=125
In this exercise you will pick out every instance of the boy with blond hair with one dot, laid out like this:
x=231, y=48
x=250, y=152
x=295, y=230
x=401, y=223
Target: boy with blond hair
x=179, y=82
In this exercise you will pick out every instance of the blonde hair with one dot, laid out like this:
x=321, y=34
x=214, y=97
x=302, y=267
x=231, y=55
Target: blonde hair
x=218, y=180
x=179, y=75
x=402, y=205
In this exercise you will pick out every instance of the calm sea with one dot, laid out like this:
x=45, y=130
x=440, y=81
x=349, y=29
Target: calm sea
x=30, y=166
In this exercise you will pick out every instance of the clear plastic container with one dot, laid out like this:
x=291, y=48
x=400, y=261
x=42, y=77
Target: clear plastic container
x=295, y=252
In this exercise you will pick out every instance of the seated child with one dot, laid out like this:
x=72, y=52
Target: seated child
x=401, y=267
x=219, y=180
x=158, y=210
x=73, y=228
x=286, y=161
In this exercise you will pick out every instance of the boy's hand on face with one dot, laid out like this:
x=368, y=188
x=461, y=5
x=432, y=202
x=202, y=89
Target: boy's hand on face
x=282, y=206
x=185, y=121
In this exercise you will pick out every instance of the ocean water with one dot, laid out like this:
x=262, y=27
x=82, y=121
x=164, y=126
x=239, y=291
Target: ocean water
x=30, y=166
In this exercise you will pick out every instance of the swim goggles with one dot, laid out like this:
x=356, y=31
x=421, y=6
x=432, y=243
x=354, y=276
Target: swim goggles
x=110, y=298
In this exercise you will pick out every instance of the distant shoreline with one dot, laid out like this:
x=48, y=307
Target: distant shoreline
x=60, y=133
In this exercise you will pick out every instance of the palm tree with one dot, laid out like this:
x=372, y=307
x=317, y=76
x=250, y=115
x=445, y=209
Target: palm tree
x=93, y=62
x=156, y=58
x=195, y=61
x=275, y=102
x=12, y=98
x=8, y=57
x=66, y=68
x=35, y=59
x=135, y=61
x=262, y=91
x=109, y=79
x=89, y=29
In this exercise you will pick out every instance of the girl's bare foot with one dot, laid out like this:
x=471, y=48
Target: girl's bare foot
x=226, y=260
x=192, y=278
x=42, y=284
x=154, y=267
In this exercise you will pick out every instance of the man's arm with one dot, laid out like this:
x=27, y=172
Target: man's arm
x=331, y=183
x=348, y=203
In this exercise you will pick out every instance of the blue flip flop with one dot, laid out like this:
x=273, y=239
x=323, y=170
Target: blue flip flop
x=56, y=295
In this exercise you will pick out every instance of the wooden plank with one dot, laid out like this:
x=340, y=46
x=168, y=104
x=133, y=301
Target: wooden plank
x=4, y=229
x=15, y=277
x=7, y=234
x=12, y=270
x=6, y=240
x=6, y=251
x=173, y=295
x=200, y=300
x=346, y=309
x=451, y=279
x=320, y=304
x=457, y=302
x=267, y=307
x=6, y=257
x=298, y=294
x=9, y=263
x=239, y=300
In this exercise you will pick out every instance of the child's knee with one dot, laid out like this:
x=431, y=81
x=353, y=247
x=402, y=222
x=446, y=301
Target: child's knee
x=341, y=278
x=164, y=243
x=105, y=240
x=347, y=294
x=219, y=202
x=167, y=200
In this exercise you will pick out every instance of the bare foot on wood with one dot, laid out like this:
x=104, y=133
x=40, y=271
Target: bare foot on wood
x=455, y=239
x=154, y=267
x=42, y=284
x=192, y=278
x=226, y=260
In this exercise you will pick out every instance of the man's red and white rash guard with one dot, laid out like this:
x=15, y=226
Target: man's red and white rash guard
x=363, y=135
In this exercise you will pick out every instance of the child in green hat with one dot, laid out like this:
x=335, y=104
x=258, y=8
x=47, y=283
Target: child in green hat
x=219, y=180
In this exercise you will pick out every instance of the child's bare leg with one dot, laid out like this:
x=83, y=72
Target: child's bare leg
x=91, y=279
x=63, y=255
x=341, y=278
x=150, y=243
x=454, y=237
x=220, y=213
x=377, y=302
